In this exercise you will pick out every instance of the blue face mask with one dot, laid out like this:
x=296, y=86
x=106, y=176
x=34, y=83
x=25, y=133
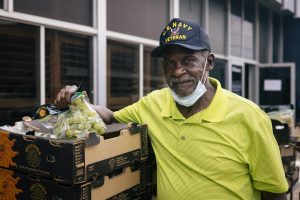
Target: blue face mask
x=191, y=99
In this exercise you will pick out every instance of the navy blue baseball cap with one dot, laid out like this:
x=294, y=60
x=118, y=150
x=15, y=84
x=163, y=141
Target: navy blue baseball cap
x=183, y=33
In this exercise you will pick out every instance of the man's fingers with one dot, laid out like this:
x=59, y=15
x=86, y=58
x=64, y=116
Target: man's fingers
x=63, y=97
x=69, y=91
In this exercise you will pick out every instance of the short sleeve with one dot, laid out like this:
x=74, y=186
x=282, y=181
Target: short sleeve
x=265, y=161
x=128, y=114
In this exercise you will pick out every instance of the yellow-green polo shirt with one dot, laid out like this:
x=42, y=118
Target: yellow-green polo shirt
x=226, y=151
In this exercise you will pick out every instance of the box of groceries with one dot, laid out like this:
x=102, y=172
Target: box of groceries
x=74, y=161
x=125, y=184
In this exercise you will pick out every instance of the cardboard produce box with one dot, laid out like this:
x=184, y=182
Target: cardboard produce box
x=287, y=150
x=125, y=185
x=75, y=161
x=287, y=153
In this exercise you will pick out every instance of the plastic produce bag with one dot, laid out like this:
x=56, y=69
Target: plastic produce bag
x=77, y=122
x=44, y=110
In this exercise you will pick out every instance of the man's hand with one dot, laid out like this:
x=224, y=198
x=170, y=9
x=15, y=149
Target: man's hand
x=273, y=196
x=63, y=97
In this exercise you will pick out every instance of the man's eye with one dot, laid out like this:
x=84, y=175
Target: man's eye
x=168, y=64
x=188, y=61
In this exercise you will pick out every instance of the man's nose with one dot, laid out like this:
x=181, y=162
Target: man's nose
x=179, y=69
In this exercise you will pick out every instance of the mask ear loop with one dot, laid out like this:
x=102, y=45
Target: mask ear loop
x=204, y=71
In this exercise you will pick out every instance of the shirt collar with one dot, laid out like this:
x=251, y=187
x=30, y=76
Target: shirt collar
x=217, y=109
x=215, y=112
x=169, y=107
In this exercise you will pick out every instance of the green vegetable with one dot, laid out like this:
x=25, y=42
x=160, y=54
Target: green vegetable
x=79, y=120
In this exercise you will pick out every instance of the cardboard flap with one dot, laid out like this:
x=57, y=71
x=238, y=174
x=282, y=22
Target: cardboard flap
x=92, y=139
x=115, y=127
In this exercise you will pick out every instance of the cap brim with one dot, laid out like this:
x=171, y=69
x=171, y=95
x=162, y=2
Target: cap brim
x=158, y=51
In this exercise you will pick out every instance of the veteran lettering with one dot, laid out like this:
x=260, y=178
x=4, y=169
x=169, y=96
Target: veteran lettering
x=175, y=37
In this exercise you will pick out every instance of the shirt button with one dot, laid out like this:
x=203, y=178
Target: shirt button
x=183, y=137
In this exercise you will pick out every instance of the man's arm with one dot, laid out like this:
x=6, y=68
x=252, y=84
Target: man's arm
x=273, y=196
x=106, y=114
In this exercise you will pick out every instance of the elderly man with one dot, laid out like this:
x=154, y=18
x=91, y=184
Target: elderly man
x=209, y=143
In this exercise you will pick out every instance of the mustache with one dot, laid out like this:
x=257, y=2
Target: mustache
x=173, y=81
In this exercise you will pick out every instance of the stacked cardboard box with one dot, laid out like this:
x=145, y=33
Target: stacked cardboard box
x=112, y=166
x=288, y=153
x=288, y=156
x=282, y=133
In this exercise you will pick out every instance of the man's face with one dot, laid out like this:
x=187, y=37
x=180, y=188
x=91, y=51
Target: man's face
x=183, y=69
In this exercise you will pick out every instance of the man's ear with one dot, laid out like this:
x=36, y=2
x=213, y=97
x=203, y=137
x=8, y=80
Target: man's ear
x=210, y=62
